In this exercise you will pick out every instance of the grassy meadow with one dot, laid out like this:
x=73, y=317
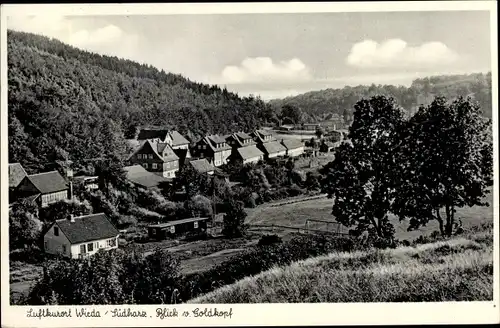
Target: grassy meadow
x=458, y=269
x=296, y=214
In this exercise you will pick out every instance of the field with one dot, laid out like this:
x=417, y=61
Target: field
x=459, y=269
x=295, y=215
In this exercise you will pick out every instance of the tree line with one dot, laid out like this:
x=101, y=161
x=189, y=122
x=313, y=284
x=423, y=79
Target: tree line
x=316, y=106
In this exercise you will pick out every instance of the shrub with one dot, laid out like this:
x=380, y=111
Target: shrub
x=234, y=220
x=199, y=206
x=269, y=240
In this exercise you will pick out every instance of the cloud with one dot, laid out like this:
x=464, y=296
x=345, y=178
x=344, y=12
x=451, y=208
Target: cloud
x=397, y=53
x=108, y=39
x=264, y=70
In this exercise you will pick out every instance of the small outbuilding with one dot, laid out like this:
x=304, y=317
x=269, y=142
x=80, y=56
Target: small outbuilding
x=178, y=227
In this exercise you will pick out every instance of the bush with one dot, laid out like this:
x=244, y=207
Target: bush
x=234, y=220
x=269, y=240
x=199, y=206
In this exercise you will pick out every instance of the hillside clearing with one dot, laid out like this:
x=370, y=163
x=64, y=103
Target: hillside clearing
x=459, y=269
x=296, y=214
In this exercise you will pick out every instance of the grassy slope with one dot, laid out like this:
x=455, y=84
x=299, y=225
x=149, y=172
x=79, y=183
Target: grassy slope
x=452, y=270
x=296, y=214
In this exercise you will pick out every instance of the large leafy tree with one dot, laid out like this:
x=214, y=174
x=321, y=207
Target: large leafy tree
x=447, y=157
x=24, y=225
x=360, y=178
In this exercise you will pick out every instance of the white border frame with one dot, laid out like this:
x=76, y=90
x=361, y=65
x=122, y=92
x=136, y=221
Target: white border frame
x=257, y=314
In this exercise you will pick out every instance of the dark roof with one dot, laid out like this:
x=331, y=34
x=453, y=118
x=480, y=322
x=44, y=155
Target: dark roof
x=292, y=143
x=140, y=176
x=182, y=154
x=88, y=228
x=16, y=174
x=202, y=165
x=48, y=182
x=152, y=133
x=273, y=147
x=249, y=152
x=178, y=139
x=176, y=222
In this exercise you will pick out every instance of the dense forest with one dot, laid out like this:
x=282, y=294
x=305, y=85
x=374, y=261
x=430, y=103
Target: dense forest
x=316, y=105
x=65, y=102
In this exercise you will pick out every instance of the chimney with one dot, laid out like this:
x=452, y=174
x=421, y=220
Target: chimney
x=70, y=190
x=71, y=218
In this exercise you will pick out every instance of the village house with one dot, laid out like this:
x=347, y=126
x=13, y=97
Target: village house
x=214, y=148
x=294, y=147
x=268, y=145
x=80, y=237
x=261, y=136
x=161, y=135
x=156, y=157
x=89, y=183
x=240, y=139
x=272, y=149
x=246, y=155
x=309, y=126
x=43, y=188
x=16, y=175
x=142, y=178
x=202, y=166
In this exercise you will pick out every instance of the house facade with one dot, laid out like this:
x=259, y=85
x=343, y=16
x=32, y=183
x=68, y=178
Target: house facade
x=294, y=147
x=214, y=148
x=43, y=188
x=156, y=157
x=80, y=237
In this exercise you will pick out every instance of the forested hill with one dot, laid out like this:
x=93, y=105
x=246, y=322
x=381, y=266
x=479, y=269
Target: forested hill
x=67, y=102
x=317, y=104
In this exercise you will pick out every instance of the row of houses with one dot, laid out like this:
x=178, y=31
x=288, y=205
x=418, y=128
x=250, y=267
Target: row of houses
x=162, y=152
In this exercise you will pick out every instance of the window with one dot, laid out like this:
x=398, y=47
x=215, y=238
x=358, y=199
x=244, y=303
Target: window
x=45, y=245
x=64, y=249
x=90, y=247
x=196, y=225
x=204, y=146
x=56, y=231
x=168, y=165
x=83, y=249
x=155, y=165
x=172, y=229
x=145, y=165
x=150, y=156
x=139, y=156
x=111, y=242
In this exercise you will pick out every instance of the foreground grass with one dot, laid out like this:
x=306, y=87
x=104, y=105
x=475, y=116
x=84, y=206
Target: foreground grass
x=459, y=269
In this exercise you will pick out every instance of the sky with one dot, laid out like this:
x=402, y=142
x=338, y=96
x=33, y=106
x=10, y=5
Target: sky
x=279, y=55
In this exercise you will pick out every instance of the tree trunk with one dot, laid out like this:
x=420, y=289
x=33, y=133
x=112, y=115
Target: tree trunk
x=449, y=221
x=440, y=220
